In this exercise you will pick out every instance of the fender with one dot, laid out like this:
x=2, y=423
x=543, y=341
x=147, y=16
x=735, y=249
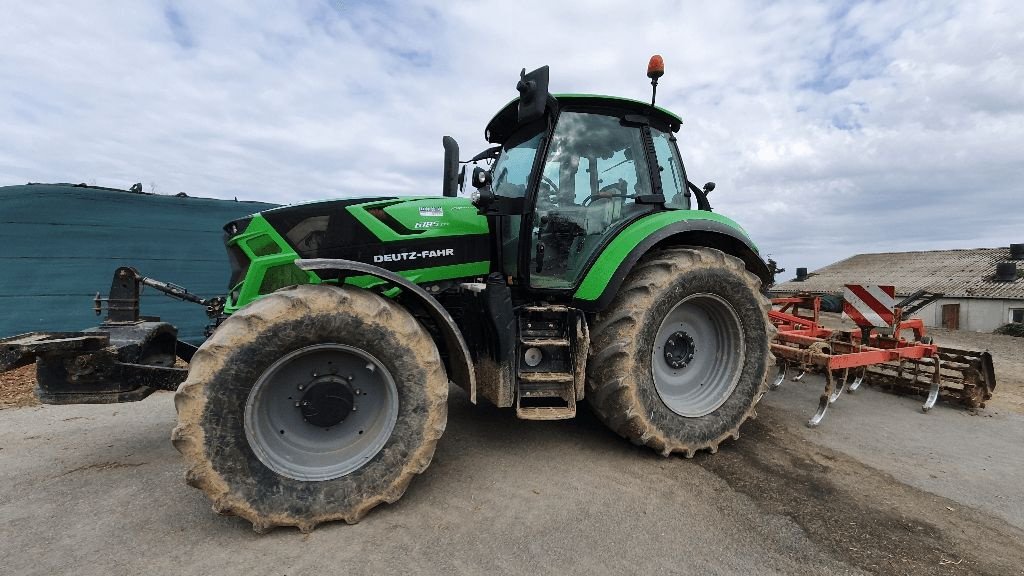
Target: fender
x=460, y=364
x=675, y=228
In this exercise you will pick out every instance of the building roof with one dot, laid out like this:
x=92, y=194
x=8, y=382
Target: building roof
x=966, y=273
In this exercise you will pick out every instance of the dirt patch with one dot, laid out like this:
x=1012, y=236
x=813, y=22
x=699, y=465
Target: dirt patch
x=16, y=387
x=863, y=516
x=1007, y=357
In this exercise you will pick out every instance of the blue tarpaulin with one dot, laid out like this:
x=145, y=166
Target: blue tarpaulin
x=60, y=245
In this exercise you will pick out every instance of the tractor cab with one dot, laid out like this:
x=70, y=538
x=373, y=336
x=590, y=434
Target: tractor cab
x=570, y=175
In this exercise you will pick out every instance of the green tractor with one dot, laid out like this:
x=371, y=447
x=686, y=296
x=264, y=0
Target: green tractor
x=585, y=266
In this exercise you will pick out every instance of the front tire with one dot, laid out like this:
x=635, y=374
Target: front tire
x=312, y=404
x=681, y=356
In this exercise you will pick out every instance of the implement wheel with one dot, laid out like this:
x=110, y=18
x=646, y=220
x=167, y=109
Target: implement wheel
x=681, y=356
x=312, y=404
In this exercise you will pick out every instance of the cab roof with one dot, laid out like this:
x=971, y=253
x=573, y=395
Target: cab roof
x=506, y=120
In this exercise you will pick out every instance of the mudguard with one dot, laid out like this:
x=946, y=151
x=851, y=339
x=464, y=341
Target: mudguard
x=672, y=228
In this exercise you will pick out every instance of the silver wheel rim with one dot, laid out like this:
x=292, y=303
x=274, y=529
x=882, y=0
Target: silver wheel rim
x=291, y=411
x=698, y=355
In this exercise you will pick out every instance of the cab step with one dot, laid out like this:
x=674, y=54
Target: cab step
x=547, y=387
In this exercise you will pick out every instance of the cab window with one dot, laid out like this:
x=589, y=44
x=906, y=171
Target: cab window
x=673, y=179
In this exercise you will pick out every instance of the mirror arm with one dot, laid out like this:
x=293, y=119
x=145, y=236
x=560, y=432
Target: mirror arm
x=702, y=198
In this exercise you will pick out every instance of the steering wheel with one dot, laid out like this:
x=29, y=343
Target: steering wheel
x=614, y=190
x=549, y=182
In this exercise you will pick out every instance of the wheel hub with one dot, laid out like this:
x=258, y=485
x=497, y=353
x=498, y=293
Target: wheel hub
x=321, y=412
x=328, y=401
x=694, y=385
x=679, y=349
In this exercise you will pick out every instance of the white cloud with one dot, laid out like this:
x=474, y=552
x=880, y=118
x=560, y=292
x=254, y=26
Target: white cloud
x=829, y=129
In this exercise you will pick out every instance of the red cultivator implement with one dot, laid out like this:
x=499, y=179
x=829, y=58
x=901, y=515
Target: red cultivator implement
x=887, y=351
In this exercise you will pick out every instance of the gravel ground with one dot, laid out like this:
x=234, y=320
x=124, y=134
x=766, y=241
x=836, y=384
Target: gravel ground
x=98, y=490
x=879, y=488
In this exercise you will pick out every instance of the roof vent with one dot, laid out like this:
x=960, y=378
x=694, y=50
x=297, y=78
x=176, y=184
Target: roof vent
x=801, y=274
x=1016, y=251
x=1006, y=271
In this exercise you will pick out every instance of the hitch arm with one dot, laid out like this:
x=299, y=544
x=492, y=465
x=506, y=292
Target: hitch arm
x=172, y=290
x=123, y=302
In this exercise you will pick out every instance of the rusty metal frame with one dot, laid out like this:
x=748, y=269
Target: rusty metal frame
x=802, y=342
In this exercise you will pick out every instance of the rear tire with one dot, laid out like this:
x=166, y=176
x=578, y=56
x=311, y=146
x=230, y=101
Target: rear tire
x=700, y=305
x=259, y=371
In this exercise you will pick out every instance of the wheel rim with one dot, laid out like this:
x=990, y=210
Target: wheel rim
x=698, y=355
x=321, y=412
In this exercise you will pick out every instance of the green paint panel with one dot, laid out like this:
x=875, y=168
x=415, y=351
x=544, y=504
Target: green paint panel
x=425, y=218
x=615, y=253
x=269, y=269
x=61, y=244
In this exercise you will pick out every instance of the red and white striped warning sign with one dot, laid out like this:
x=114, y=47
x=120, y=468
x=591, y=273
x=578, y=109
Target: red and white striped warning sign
x=869, y=305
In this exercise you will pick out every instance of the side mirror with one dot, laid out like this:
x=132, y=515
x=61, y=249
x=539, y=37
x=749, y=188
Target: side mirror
x=533, y=94
x=708, y=188
x=451, y=166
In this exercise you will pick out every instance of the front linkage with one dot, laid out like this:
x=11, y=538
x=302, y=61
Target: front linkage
x=124, y=359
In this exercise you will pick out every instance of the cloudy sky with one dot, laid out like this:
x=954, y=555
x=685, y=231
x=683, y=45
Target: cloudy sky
x=830, y=129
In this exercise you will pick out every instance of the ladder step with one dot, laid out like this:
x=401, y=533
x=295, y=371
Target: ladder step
x=545, y=377
x=546, y=412
x=544, y=342
x=555, y=309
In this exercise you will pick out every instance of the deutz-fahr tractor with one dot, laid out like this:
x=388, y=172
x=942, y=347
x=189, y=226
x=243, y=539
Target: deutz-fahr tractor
x=585, y=266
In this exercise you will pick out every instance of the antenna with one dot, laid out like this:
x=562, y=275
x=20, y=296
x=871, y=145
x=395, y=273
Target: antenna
x=655, y=70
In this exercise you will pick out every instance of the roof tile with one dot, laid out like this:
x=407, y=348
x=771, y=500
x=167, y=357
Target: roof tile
x=968, y=273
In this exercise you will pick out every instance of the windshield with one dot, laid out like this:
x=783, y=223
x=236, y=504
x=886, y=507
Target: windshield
x=512, y=170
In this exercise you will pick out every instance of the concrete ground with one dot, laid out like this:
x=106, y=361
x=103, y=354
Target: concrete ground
x=878, y=488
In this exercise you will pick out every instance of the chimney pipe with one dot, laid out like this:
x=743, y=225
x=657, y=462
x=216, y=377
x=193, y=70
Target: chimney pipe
x=1016, y=251
x=801, y=274
x=1006, y=271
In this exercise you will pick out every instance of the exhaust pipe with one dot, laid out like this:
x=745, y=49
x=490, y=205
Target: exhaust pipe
x=451, y=166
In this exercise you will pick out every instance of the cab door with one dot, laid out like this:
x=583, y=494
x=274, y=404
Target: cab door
x=510, y=183
x=593, y=173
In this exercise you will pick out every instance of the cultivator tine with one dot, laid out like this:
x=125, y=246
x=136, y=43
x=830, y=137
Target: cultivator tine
x=780, y=375
x=933, y=392
x=858, y=380
x=799, y=376
x=824, y=401
x=842, y=387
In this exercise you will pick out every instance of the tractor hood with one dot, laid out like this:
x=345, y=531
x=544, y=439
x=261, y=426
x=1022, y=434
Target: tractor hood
x=398, y=234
